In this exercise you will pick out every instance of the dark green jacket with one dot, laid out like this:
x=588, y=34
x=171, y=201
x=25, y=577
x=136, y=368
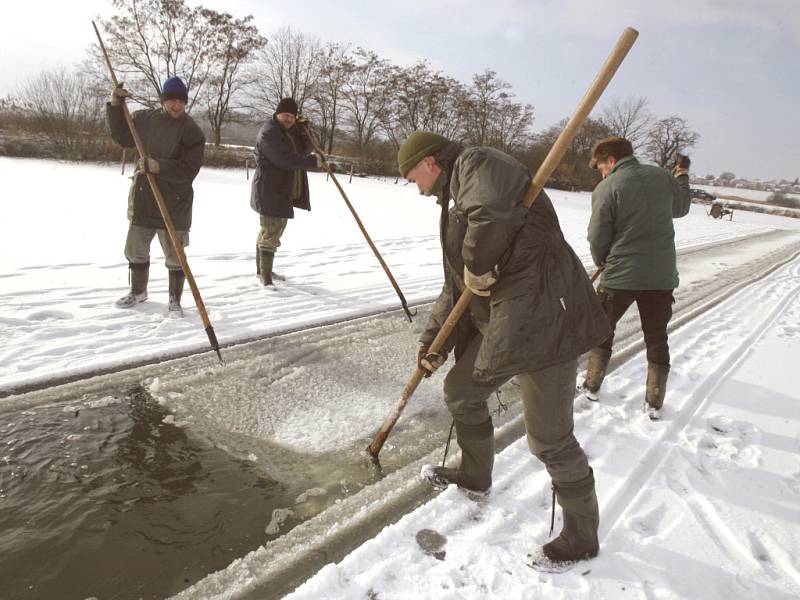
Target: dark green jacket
x=630, y=230
x=543, y=309
x=178, y=146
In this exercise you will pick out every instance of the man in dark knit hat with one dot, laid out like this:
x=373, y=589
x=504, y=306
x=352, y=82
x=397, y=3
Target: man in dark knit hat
x=174, y=145
x=280, y=183
x=533, y=313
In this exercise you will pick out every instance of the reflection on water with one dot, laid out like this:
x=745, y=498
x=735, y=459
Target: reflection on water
x=105, y=499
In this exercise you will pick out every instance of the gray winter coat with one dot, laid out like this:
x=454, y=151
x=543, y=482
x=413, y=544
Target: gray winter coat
x=631, y=232
x=178, y=146
x=543, y=310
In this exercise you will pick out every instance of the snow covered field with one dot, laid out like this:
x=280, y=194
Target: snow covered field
x=62, y=265
x=704, y=504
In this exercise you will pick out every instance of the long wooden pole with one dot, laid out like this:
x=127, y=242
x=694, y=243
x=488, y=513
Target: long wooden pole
x=551, y=161
x=162, y=207
x=359, y=223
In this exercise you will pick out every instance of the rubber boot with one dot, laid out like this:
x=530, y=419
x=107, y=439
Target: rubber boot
x=595, y=372
x=477, y=459
x=265, y=259
x=578, y=537
x=139, y=274
x=656, y=389
x=176, y=280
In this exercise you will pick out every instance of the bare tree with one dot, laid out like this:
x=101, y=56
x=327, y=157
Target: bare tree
x=420, y=98
x=151, y=40
x=232, y=43
x=485, y=92
x=288, y=66
x=573, y=172
x=511, y=125
x=334, y=68
x=669, y=137
x=61, y=108
x=629, y=119
x=366, y=97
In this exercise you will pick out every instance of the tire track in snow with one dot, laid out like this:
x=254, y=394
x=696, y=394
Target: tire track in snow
x=783, y=283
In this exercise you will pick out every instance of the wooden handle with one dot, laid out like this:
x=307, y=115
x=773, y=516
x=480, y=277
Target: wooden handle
x=551, y=161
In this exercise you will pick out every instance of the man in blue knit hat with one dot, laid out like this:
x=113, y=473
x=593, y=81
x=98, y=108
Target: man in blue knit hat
x=174, y=147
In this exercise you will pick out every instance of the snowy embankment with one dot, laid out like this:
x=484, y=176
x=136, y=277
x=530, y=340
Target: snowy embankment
x=771, y=209
x=62, y=265
x=704, y=504
x=743, y=193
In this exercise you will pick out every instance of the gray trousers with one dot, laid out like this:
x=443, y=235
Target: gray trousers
x=137, y=245
x=269, y=235
x=547, y=401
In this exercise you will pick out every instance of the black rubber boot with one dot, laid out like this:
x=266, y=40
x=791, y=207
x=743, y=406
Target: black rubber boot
x=265, y=260
x=596, y=370
x=656, y=389
x=176, y=280
x=578, y=537
x=139, y=274
x=477, y=459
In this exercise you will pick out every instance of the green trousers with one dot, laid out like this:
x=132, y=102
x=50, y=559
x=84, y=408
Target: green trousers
x=547, y=400
x=269, y=235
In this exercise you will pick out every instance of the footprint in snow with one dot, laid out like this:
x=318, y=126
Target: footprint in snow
x=728, y=443
x=648, y=524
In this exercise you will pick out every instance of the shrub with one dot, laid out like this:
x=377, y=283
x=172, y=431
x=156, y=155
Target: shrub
x=779, y=199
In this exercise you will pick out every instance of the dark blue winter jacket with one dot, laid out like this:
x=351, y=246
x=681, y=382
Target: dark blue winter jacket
x=277, y=160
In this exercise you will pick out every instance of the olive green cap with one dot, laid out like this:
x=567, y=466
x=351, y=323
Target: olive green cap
x=417, y=146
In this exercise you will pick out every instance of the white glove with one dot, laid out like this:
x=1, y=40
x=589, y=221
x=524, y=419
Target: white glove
x=119, y=94
x=479, y=284
x=148, y=165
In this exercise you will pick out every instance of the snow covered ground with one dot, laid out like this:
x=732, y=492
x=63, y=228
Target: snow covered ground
x=705, y=503
x=62, y=265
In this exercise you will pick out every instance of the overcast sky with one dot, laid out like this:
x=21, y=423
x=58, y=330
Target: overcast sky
x=730, y=67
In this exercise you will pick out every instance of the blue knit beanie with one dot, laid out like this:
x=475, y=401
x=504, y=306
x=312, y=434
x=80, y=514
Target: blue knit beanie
x=174, y=89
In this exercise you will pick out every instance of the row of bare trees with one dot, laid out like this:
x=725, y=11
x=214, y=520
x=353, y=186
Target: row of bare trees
x=361, y=105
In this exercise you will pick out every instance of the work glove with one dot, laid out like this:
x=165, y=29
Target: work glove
x=430, y=361
x=148, y=165
x=681, y=166
x=678, y=171
x=119, y=94
x=479, y=284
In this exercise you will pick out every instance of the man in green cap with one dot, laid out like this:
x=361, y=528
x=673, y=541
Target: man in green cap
x=534, y=312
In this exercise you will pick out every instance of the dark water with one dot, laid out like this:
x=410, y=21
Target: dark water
x=107, y=498
x=109, y=501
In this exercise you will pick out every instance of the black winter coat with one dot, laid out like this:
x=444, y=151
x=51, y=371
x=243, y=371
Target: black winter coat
x=276, y=163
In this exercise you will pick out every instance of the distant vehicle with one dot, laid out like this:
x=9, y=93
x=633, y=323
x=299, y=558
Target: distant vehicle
x=702, y=195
